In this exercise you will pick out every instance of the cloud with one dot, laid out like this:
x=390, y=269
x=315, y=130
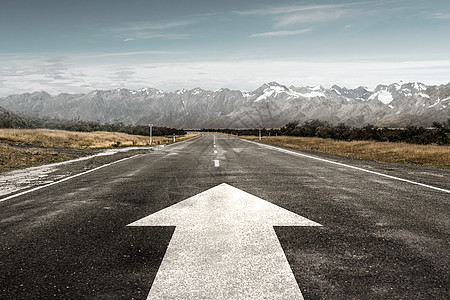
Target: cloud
x=146, y=26
x=311, y=16
x=141, y=31
x=288, y=10
x=59, y=59
x=82, y=75
x=292, y=15
x=441, y=16
x=133, y=53
x=281, y=33
x=122, y=75
x=154, y=35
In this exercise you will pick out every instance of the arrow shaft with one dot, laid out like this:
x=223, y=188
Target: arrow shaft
x=235, y=262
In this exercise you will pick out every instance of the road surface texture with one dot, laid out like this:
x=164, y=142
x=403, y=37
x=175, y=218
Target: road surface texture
x=381, y=238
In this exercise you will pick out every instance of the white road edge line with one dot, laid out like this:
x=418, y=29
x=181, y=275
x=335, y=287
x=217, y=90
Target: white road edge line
x=89, y=171
x=349, y=166
x=67, y=178
x=216, y=163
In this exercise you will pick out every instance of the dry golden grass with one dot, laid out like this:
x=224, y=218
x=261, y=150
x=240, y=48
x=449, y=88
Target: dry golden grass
x=49, y=138
x=29, y=147
x=13, y=157
x=432, y=155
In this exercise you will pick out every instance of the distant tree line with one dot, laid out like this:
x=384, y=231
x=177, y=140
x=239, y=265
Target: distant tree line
x=27, y=121
x=10, y=120
x=439, y=133
x=249, y=131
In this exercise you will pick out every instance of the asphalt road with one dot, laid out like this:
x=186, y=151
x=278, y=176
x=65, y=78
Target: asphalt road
x=380, y=238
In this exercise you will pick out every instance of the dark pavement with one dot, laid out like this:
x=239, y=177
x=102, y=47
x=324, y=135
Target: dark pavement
x=381, y=238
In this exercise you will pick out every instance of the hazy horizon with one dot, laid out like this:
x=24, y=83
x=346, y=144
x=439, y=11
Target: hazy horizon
x=215, y=90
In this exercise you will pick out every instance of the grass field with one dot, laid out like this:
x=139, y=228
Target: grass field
x=50, y=138
x=431, y=155
x=29, y=147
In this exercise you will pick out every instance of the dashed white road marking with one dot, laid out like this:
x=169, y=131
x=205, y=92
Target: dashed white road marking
x=215, y=151
x=224, y=247
x=216, y=163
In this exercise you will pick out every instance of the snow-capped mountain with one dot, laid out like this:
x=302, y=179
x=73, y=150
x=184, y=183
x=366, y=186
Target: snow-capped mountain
x=271, y=105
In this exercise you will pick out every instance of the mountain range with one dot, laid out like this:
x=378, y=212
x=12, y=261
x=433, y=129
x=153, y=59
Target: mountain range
x=272, y=105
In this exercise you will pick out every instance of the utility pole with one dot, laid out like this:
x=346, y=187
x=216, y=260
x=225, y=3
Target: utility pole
x=150, y=125
x=259, y=133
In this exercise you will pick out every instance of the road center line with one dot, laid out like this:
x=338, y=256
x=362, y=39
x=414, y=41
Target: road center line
x=216, y=163
x=348, y=166
x=67, y=178
x=215, y=151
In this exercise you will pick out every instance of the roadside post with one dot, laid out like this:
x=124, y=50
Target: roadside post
x=150, y=125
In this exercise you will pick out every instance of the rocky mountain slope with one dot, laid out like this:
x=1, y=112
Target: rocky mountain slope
x=271, y=105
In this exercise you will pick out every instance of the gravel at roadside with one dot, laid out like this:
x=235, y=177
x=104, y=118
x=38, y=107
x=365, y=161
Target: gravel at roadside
x=22, y=179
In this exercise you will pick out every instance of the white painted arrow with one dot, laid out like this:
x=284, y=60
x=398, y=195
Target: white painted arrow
x=224, y=247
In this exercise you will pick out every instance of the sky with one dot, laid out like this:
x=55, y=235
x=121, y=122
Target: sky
x=66, y=46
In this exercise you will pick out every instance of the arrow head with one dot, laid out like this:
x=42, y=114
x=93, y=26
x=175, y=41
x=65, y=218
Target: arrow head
x=224, y=205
